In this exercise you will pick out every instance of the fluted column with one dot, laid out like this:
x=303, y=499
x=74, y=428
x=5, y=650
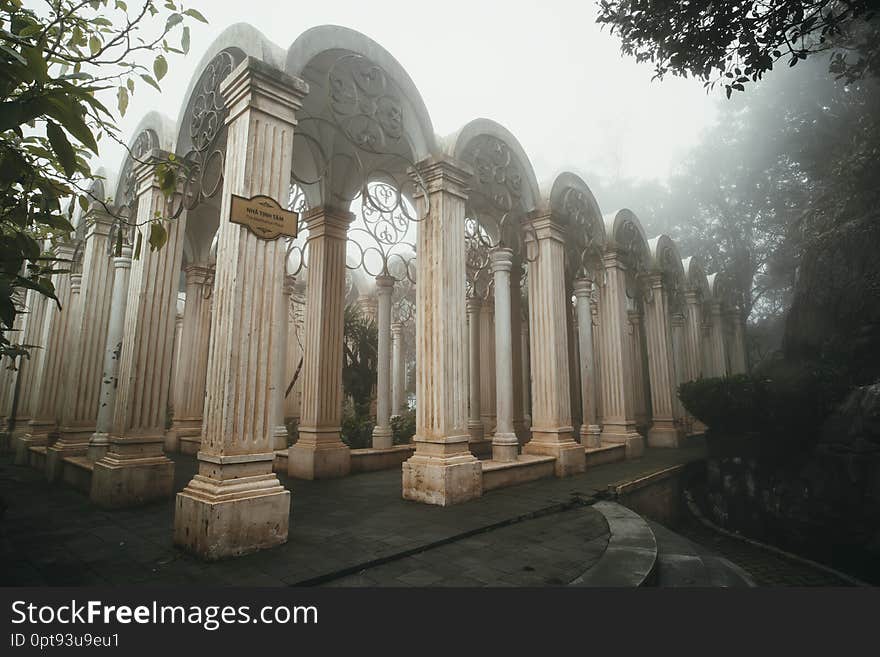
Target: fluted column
x=54, y=340
x=112, y=350
x=520, y=428
x=83, y=376
x=396, y=369
x=589, y=431
x=320, y=453
x=475, y=423
x=526, y=383
x=718, y=348
x=442, y=471
x=663, y=432
x=693, y=336
x=135, y=470
x=738, y=343
x=676, y=323
x=505, y=444
x=552, y=433
x=279, y=432
x=30, y=368
x=638, y=386
x=488, y=404
x=191, y=369
x=574, y=368
x=615, y=363
x=382, y=438
x=174, y=395
x=235, y=504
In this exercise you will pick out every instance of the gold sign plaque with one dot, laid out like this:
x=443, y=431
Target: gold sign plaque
x=263, y=216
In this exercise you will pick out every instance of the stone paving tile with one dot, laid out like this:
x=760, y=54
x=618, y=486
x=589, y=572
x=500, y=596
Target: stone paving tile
x=52, y=534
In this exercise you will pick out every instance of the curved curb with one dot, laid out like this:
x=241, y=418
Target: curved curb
x=630, y=560
x=695, y=511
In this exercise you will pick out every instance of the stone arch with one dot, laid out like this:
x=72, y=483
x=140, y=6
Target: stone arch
x=572, y=204
x=665, y=258
x=362, y=120
x=696, y=276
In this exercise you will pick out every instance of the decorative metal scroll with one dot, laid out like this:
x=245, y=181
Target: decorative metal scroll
x=381, y=240
x=145, y=142
x=478, y=243
x=297, y=248
x=672, y=283
x=403, y=302
x=584, y=248
x=203, y=165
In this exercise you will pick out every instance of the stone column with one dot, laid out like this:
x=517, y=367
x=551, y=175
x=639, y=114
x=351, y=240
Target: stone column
x=738, y=343
x=520, y=428
x=548, y=308
x=615, y=364
x=526, y=382
x=235, y=504
x=279, y=433
x=475, y=423
x=112, y=351
x=488, y=404
x=174, y=397
x=135, y=470
x=320, y=453
x=396, y=369
x=30, y=368
x=676, y=323
x=505, y=444
x=382, y=438
x=574, y=367
x=190, y=374
x=693, y=336
x=637, y=378
x=590, y=431
x=663, y=432
x=442, y=471
x=54, y=340
x=718, y=348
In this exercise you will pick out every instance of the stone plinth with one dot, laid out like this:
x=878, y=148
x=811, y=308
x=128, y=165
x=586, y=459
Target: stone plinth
x=442, y=471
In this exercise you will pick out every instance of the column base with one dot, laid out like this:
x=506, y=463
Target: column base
x=570, y=457
x=182, y=434
x=120, y=483
x=382, y=437
x=279, y=437
x=505, y=447
x=22, y=445
x=436, y=477
x=99, y=443
x=216, y=519
x=591, y=435
x=318, y=456
x=72, y=441
x=665, y=434
x=626, y=435
x=475, y=430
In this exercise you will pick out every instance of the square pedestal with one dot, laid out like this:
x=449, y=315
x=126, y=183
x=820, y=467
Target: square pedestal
x=307, y=460
x=217, y=526
x=625, y=435
x=570, y=458
x=442, y=481
x=662, y=435
x=56, y=454
x=123, y=483
x=24, y=443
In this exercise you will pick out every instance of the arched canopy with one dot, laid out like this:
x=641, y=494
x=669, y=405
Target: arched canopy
x=362, y=121
x=624, y=233
x=504, y=181
x=573, y=205
x=696, y=276
x=666, y=259
x=153, y=131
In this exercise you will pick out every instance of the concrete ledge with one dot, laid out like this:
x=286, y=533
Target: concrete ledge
x=527, y=467
x=37, y=457
x=630, y=560
x=607, y=453
x=388, y=458
x=77, y=472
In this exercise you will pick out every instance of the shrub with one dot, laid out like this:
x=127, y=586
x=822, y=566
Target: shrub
x=726, y=405
x=357, y=425
x=403, y=427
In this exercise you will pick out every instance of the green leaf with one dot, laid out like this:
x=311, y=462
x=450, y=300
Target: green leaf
x=83, y=203
x=138, y=244
x=173, y=20
x=94, y=44
x=158, y=236
x=160, y=67
x=192, y=13
x=184, y=39
x=122, y=100
x=61, y=146
x=150, y=81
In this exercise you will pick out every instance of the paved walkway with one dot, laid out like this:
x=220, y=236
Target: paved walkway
x=53, y=535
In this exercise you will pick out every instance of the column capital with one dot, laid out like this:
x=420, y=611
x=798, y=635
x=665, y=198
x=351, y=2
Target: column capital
x=123, y=261
x=612, y=260
x=473, y=304
x=199, y=274
x=677, y=319
x=326, y=221
x=583, y=288
x=692, y=297
x=384, y=284
x=443, y=173
x=98, y=222
x=501, y=259
x=396, y=329
x=255, y=85
x=145, y=171
x=75, y=283
x=544, y=226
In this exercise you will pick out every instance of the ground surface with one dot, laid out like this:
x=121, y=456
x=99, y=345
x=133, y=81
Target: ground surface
x=352, y=531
